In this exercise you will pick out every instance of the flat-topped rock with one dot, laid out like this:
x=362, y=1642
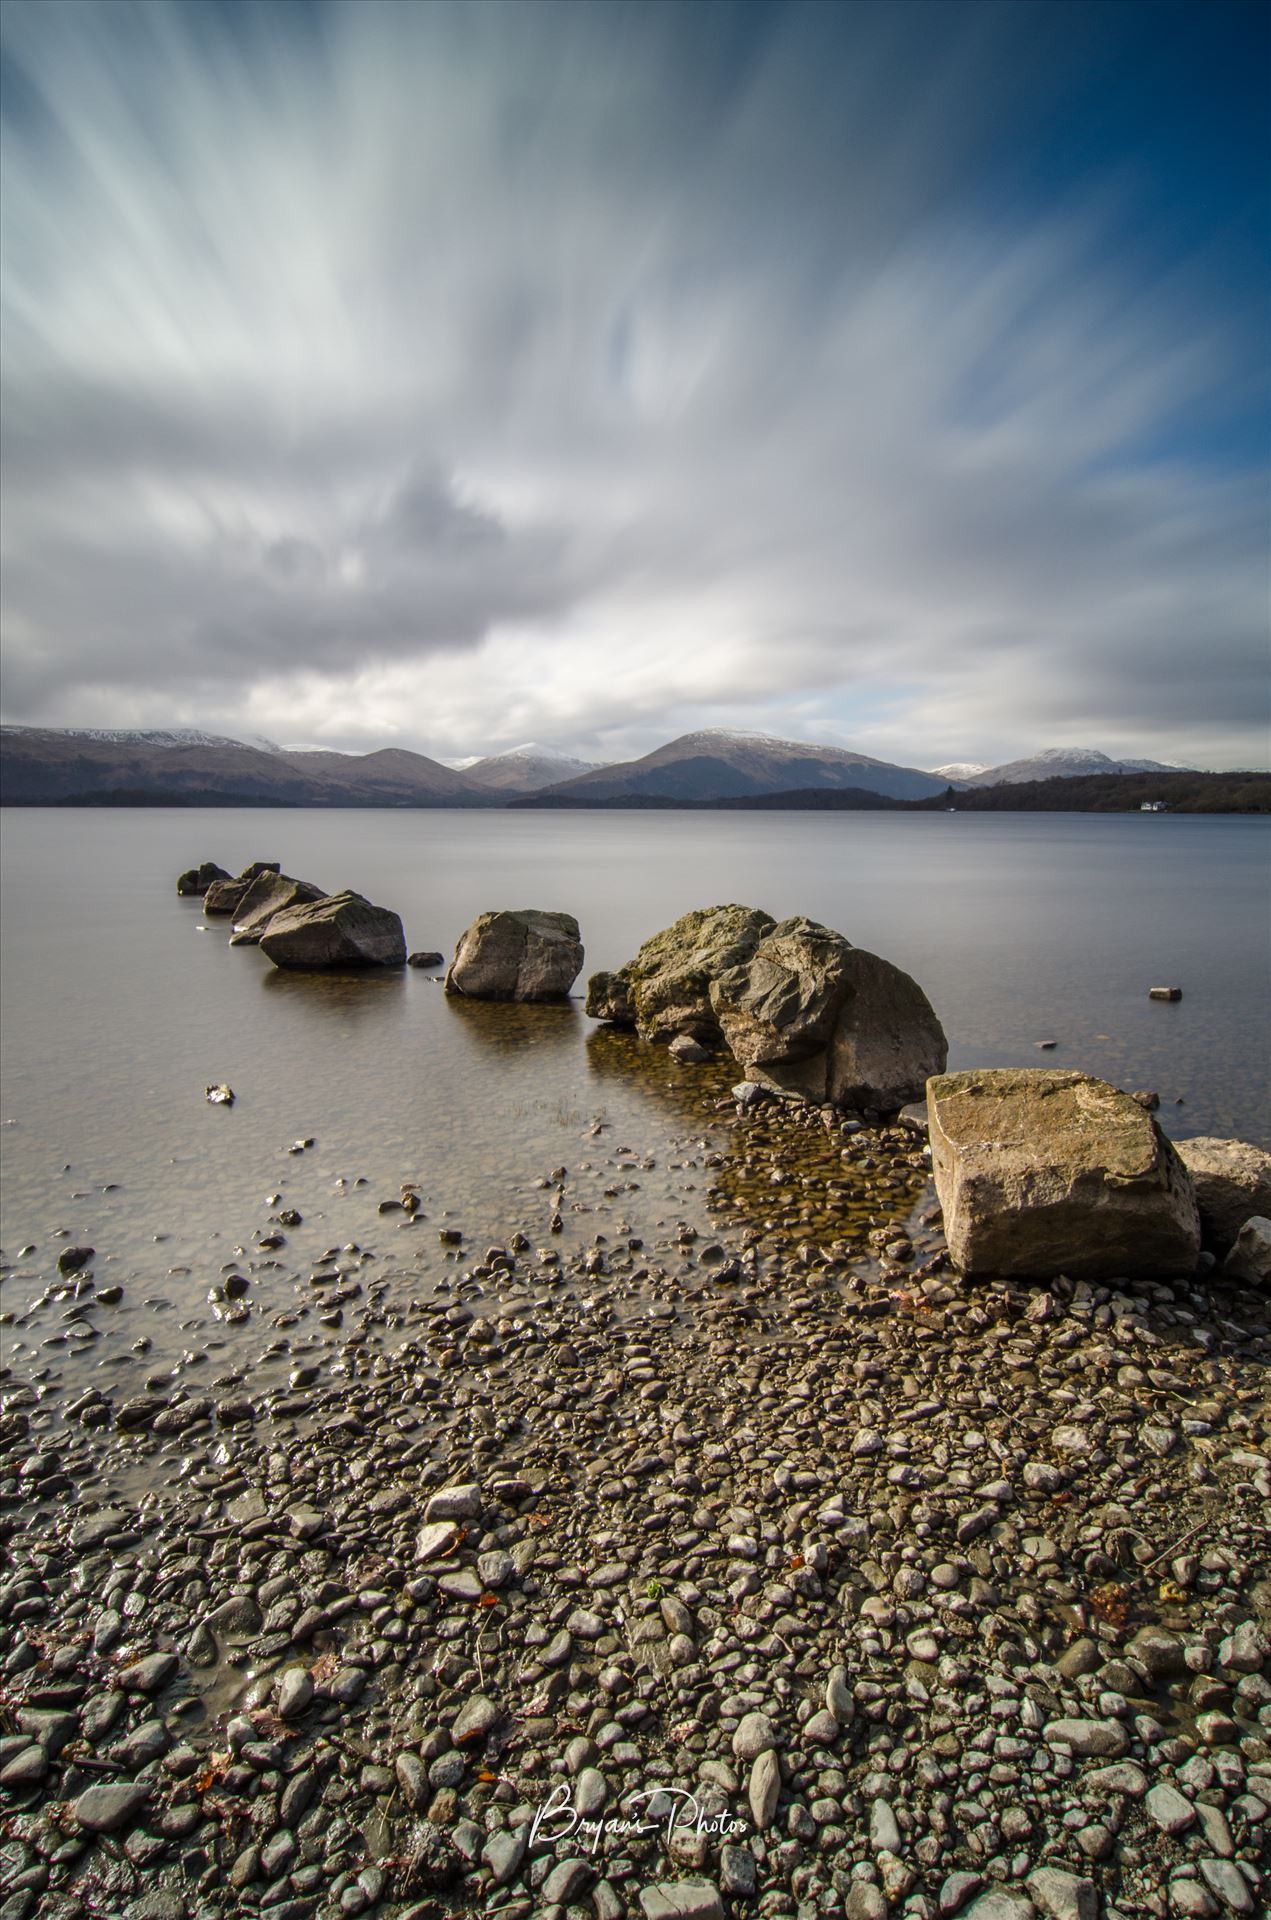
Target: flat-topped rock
x=339, y=930
x=522, y=953
x=1043, y=1172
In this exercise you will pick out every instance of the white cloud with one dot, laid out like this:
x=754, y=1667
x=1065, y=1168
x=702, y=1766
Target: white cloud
x=462, y=377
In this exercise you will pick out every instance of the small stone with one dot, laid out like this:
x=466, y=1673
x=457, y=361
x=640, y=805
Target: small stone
x=1064, y=1896
x=865, y=1902
x=1225, y=1879
x=1126, y=1778
x=413, y=1781
x=1082, y=1656
x=436, y=1540
x=109, y=1806
x=956, y=1890
x=682, y=1900
x=149, y=1675
x=590, y=1792
x=755, y=1734
x=764, y=1789
x=477, y=1717
x=26, y=1768
x=1168, y=1808
x=1100, y=1739
x=503, y=1853
x=455, y=1503
x=1246, y=1649
x=737, y=1872
x=839, y=1698
x=570, y=1877
x=295, y=1693
x=884, y=1830
x=997, y=1904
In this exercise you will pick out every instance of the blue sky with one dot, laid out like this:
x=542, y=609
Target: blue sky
x=895, y=375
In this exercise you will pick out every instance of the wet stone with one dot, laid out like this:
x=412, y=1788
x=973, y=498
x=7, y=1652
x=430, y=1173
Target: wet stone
x=109, y=1806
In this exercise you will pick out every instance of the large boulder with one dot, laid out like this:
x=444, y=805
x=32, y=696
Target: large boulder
x=520, y=954
x=1042, y=1172
x=810, y=1015
x=339, y=930
x=269, y=894
x=226, y=896
x=1232, y=1180
x=195, y=881
x=666, y=989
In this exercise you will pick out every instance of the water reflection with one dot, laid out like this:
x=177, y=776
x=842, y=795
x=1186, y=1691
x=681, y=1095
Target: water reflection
x=360, y=990
x=550, y=1027
x=616, y=1056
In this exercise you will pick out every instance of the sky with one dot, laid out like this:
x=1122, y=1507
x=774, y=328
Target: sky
x=888, y=375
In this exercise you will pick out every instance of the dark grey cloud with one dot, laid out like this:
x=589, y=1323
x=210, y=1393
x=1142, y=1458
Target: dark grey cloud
x=474, y=374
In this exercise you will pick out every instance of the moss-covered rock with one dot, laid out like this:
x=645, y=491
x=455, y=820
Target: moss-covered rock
x=666, y=989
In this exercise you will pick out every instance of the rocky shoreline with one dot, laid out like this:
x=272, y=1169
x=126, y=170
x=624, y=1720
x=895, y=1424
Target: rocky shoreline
x=780, y=1572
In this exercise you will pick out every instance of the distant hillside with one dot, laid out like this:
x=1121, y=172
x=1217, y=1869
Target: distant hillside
x=1116, y=793
x=526, y=770
x=798, y=800
x=1111, y=793
x=1069, y=763
x=715, y=764
x=42, y=766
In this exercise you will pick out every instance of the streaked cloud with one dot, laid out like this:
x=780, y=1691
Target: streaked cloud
x=462, y=376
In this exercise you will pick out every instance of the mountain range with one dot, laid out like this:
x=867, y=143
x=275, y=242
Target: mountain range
x=1065, y=763
x=103, y=766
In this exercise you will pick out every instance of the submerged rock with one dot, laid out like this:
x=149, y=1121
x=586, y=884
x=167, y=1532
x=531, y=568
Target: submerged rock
x=339, y=930
x=1043, y=1172
x=269, y=894
x=1232, y=1180
x=518, y=954
x=666, y=989
x=811, y=1015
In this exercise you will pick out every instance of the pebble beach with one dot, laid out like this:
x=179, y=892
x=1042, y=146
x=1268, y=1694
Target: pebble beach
x=770, y=1569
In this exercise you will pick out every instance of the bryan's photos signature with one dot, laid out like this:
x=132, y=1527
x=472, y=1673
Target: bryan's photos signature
x=677, y=1813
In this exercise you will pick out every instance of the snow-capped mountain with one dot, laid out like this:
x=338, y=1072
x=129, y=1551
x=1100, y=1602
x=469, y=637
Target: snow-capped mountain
x=46, y=766
x=1060, y=763
x=717, y=763
x=153, y=737
x=525, y=769
x=960, y=770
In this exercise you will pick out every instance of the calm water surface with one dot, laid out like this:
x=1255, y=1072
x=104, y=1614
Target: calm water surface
x=120, y=1003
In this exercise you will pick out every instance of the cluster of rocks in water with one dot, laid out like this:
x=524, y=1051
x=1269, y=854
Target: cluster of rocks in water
x=955, y=1603
x=294, y=923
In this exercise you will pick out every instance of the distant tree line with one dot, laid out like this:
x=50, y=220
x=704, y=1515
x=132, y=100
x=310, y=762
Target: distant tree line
x=1085, y=793
x=1114, y=793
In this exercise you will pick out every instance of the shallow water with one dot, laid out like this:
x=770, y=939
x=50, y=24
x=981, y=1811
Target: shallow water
x=121, y=1003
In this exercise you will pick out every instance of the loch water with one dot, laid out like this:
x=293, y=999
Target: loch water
x=121, y=1003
